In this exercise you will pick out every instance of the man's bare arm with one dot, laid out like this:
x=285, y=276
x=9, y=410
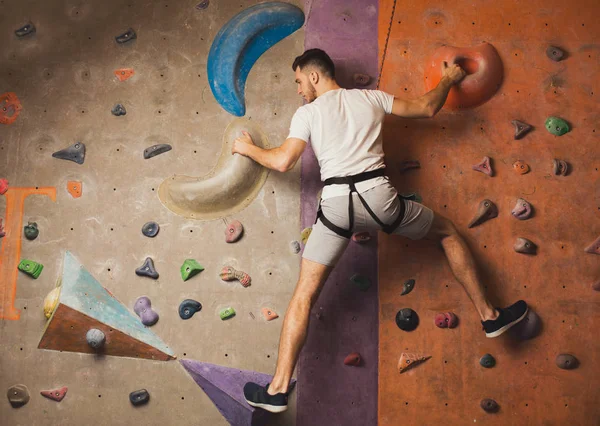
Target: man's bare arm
x=281, y=159
x=431, y=102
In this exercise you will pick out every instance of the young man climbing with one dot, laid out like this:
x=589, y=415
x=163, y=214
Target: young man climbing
x=344, y=128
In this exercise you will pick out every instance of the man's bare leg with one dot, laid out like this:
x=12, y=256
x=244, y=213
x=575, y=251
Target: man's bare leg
x=462, y=264
x=295, y=325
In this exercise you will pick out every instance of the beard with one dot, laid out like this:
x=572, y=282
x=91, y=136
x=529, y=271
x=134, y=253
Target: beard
x=311, y=94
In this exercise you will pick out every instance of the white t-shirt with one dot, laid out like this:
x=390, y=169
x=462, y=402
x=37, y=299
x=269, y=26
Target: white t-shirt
x=344, y=128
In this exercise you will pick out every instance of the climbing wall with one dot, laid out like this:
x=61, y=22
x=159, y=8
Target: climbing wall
x=64, y=77
x=556, y=282
x=344, y=319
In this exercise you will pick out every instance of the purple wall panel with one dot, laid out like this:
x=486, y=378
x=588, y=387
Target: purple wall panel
x=330, y=393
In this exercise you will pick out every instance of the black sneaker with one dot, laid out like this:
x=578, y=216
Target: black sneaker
x=257, y=396
x=507, y=318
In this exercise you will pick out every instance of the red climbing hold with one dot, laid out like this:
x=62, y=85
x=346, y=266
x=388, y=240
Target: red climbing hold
x=361, y=80
x=352, y=359
x=594, y=248
x=234, y=231
x=451, y=319
x=361, y=237
x=3, y=186
x=124, y=73
x=440, y=320
x=484, y=74
x=10, y=108
x=484, y=167
x=55, y=394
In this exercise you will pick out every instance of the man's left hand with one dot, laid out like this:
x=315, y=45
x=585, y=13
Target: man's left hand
x=241, y=143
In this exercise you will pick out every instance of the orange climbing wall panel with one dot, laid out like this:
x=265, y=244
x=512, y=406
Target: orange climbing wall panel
x=556, y=283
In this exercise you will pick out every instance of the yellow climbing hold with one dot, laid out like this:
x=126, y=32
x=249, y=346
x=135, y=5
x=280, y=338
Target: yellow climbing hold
x=51, y=301
x=305, y=234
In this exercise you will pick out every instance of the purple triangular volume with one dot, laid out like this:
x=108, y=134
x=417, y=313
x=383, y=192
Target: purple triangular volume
x=224, y=386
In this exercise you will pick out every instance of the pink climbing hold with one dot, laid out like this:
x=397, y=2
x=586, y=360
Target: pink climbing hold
x=229, y=274
x=451, y=319
x=3, y=186
x=484, y=166
x=234, y=231
x=361, y=237
x=353, y=359
x=55, y=394
x=594, y=248
x=440, y=320
x=446, y=320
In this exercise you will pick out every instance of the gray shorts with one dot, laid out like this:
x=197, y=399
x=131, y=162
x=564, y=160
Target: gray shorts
x=326, y=247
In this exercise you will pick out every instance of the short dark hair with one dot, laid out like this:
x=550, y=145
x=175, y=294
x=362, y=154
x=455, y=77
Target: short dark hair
x=315, y=58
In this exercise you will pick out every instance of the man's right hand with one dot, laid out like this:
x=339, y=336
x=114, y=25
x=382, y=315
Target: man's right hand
x=454, y=72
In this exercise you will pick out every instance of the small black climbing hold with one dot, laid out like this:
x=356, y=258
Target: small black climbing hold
x=155, y=150
x=202, y=5
x=31, y=231
x=567, y=362
x=407, y=287
x=28, y=28
x=555, y=53
x=188, y=308
x=139, y=397
x=126, y=36
x=75, y=152
x=407, y=319
x=150, y=229
x=118, y=110
x=489, y=405
x=487, y=361
x=521, y=128
x=147, y=269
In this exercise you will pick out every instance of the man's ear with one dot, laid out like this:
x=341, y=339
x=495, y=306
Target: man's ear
x=314, y=77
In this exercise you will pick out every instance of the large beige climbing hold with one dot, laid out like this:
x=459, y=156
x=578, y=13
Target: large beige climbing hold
x=51, y=301
x=408, y=360
x=230, y=187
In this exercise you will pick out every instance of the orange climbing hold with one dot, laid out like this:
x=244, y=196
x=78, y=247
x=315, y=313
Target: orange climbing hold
x=10, y=108
x=124, y=73
x=75, y=188
x=484, y=74
x=269, y=314
x=408, y=360
x=521, y=167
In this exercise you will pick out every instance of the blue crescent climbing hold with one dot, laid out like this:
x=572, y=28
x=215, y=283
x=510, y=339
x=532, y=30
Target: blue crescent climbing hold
x=240, y=43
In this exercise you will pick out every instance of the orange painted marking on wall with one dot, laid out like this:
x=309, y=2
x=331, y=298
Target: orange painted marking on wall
x=10, y=251
x=75, y=188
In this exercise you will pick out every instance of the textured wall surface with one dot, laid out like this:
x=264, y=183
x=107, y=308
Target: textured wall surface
x=329, y=392
x=64, y=77
x=530, y=389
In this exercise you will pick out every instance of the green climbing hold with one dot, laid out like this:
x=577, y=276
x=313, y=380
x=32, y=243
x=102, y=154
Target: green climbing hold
x=31, y=268
x=31, y=231
x=190, y=268
x=361, y=282
x=557, y=126
x=227, y=313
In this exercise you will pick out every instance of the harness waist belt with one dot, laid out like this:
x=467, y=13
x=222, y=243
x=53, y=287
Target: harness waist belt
x=351, y=181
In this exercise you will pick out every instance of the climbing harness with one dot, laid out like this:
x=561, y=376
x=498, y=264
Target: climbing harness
x=351, y=181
